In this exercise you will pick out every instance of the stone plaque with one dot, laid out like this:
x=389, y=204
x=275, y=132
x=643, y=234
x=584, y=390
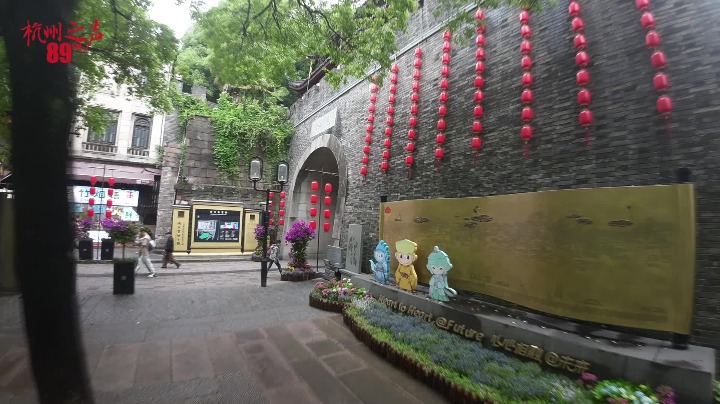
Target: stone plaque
x=322, y=124
x=353, y=258
x=334, y=255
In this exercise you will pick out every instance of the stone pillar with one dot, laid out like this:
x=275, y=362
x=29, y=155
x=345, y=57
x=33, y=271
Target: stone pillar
x=170, y=164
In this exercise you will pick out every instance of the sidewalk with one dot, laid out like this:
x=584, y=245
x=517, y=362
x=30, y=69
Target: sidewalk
x=187, y=267
x=156, y=256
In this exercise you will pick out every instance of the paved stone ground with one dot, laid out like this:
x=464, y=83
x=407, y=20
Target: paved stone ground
x=208, y=333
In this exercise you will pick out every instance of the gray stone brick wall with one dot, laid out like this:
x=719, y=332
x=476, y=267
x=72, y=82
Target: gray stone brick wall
x=628, y=143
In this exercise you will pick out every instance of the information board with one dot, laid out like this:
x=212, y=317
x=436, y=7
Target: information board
x=217, y=226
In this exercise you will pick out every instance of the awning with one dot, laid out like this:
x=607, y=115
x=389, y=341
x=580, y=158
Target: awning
x=81, y=170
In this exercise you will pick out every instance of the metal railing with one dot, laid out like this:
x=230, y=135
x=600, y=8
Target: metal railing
x=138, y=152
x=99, y=147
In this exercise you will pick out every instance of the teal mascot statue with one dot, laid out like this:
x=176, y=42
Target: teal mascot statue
x=439, y=265
x=381, y=268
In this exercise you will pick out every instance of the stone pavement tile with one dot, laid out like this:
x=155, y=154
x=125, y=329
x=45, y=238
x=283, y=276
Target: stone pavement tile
x=269, y=367
x=154, y=364
x=326, y=387
x=292, y=393
x=108, y=337
x=372, y=387
x=15, y=374
x=343, y=362
x=289, y=346
x=249, y=335
x=169, y=393
x=338, y=332
x=92, y=356
x=190, y=359
x=183, y=331
x=116, y=368
x=398, y=377
x=225, y=354
x=254, y=347
x=306, y=331
x=322, y=348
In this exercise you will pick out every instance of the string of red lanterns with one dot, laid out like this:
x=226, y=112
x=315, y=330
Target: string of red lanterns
x=326, y=212
x=412, y=122
x=369, y=128
x=385, y=164
x=91, y=200
x=281, y=213
x=109, y=202
x=527, y=114
x=582, y=59
x=479, y=82
x=442, y=111
x=658, y=60
x=314, y=186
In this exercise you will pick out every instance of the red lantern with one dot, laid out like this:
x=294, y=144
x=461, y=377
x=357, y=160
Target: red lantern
x=642, y=5
x=327, y=201
x=111, y=181
x=481, y=29
x=582, y=59
x=416, y=74
x=410, y=147
x=658, y=59
x=439, y=153
x=480, y=40
x=371, y=118
x=391, y=110
x=366, y=149
x=445, y=71
x=393, y=88
x=526, y=134
x=525, y=31
x=418, y=52
x=326, y=213
x=386, y=143
x=443, y=97
x=271, y=194
x=418, y=63
x=384, y=166
x=524, y=17
x=412, y=121
x=409, y=160
x=578, y=24
x=584, y=98
x=281, y=212
x=415, y=97
x=313, y=211
x=480, y=67
x=574, y=9
x=442, y=110
x=394, y=68
x=479, y=82
x=480, y=54
x=526, y=63
x=111, y=192
x=393, y=78
x=477, y=127
x=444, y=84
x=527, y=114
x=365, y=159
x=415, y=86
x=93, y=180
x=441, y=124
x=314, y=186
x=363, y=171
x=446, y=47
x=652, y=39
x=313, y=225
x=369, y=128
x=527, y=79
x=108, y=203
x=479, y=14
x=328, y=188
x=313, y=199
x=414, y=109
x=440, y=139
x=527, y=96
x=478, y=111
x=664, y=105
x=661, y=82
x=281, y=222
x=373, y=88
x=647, y=20
x=91, y=212
x=447, y=35
x=391, y=99
x=525, y=47
x=271, y=222
x=479, y=96
x=476, y=143
x=373, y=98
x=368, y=139
x=108, y=214
x=585, y=117
x=386, y=154
x=445, y=59
x=282, y=195
x=582, y=78
x=411, y=134
x=326, y=226
x=91, y=201
x=282, y=204
x=92, y=190
x=388, y=130
x=580, y=42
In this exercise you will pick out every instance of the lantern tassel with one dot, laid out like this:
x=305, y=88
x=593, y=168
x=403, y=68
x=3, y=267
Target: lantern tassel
x=408, y=174
x=527, y=150
x=476, y=154
x=667, y=127
x=587, y=137
x=437, y=164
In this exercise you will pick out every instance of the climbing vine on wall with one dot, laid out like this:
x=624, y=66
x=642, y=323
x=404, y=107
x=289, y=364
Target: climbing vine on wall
x=242, y=130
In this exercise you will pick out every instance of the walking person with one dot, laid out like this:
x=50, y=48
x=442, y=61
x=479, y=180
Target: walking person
x=144, y=253
x=274, y=259
x=168, y=252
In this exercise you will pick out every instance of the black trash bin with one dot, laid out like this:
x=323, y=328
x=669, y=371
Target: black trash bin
x=124, y=278
x=107, y=249
x=85, y=248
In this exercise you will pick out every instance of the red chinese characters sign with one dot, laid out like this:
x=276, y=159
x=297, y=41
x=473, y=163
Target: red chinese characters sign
x=61, y=45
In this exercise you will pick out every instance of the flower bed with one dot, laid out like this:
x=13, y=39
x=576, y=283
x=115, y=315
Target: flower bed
x=466, y=372
x=334, y=295
x=298, y=276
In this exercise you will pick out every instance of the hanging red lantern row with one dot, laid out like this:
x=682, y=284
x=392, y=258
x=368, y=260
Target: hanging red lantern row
x=314, y=186
x=390, y=121
x=91, y=200
x=582, y=59
x=369, y=128
x=526, y=98
x=412, y=122
x=109, y=202
x=326, y=212
x=659, y=62
x=281, y=221
x=442, y=111
x=479, y=84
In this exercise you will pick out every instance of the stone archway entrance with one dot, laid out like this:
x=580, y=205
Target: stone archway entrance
x=323, y=161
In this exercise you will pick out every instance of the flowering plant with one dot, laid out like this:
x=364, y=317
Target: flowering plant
x=120, y=231
x=260, y=234
x=82, y=227
x=625, y=392
x=299, y=236
x=339, y=291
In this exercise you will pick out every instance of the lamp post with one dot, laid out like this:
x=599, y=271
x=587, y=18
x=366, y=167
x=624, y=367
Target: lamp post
x=255, y=175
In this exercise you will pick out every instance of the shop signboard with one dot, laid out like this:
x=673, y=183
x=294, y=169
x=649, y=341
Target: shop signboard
x=121, y=197
x=217, y=226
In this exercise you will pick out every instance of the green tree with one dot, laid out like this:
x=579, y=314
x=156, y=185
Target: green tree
x=194, y=66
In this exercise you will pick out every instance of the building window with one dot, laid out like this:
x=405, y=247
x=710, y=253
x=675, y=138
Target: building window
x=109, y=134
x=141, y=133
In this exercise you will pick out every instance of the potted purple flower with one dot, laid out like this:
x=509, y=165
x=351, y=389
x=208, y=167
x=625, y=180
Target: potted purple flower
x=299, y=236
x=121, y=232
x=259, y=235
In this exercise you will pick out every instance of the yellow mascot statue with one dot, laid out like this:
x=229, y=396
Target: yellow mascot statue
x=405, y=276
